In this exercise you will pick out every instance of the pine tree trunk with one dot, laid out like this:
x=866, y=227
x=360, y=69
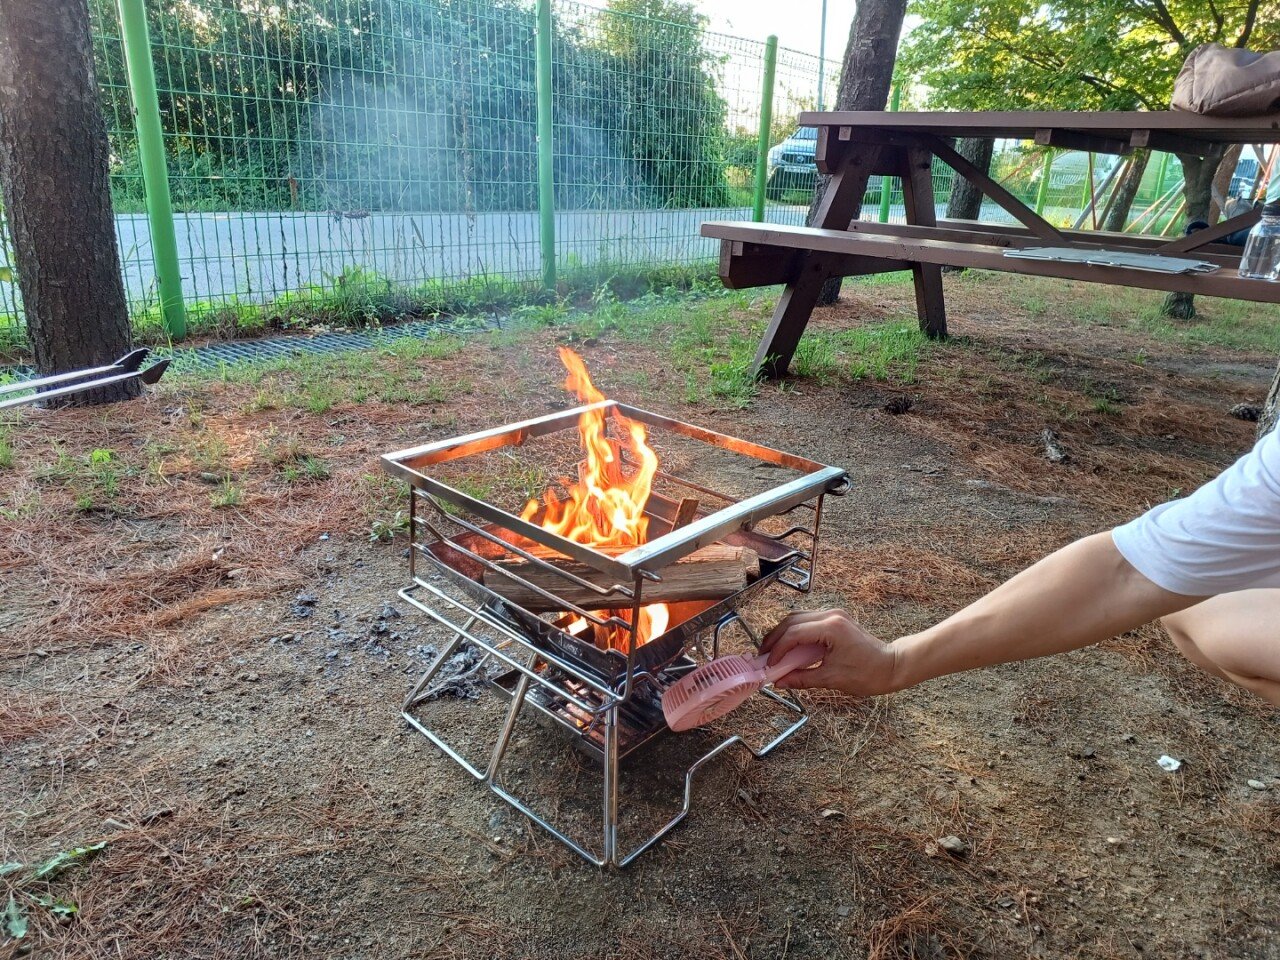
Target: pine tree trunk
x=865, y=79
x=965, y=202
x=53, y=171
x=1270, y=407
x=1126, y=191
x=1221, y=185
x=1197, y=189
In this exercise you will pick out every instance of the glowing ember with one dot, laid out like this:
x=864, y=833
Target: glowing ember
x=605, y=507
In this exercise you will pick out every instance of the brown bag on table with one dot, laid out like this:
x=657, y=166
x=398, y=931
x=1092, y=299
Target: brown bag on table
x=1225, y=82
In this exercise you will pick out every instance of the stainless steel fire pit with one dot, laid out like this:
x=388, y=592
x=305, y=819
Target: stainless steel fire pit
x=608, y=699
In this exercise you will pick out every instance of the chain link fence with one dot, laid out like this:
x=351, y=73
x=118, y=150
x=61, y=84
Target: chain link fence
x=319, y=149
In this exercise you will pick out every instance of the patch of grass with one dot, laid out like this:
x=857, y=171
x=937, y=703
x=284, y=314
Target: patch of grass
x=816, y=358
x=359, y=298
x=268, y=398
x=439, y=347
x=892, y=278
x=888, y=351
x=228, y=494
x=382, y=490
x=384, y=531
x=309, y=469
x=317, y=396
x=211, y=454
x=1105, y=399
x=733, y=378
x=527, y=479
x=6, y=450
x=93, y=480
x=1036, y=306
x=1232, y=324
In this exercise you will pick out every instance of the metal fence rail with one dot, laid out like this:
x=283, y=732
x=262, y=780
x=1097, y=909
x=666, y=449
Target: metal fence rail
x=315, y=148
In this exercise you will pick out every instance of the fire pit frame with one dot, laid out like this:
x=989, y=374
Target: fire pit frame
x=537, y=649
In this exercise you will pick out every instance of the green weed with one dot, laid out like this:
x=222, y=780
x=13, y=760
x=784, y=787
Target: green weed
x=815, y=358
x=93, y=480
x=228, y=494
x=734, y=377
x=889, y=351
x=384, y=531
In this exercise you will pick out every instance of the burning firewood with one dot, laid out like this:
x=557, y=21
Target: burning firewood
x=712, y=573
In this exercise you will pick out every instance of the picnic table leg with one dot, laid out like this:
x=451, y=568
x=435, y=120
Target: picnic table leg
x=835, y=212
x=917, y=195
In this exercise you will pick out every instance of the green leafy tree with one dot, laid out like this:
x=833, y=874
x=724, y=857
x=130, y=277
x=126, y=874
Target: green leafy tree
x=1081, y=55
x=672, y=117
x=352, y=105
x=1070, y=54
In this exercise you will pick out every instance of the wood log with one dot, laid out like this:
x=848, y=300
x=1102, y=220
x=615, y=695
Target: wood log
x=712, y=573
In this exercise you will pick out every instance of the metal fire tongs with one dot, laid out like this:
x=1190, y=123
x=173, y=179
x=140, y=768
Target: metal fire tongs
x=126, y=368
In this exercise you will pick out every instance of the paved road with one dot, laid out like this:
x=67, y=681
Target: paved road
x=259, y=256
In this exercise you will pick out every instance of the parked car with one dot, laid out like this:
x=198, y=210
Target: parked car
x=792, y=167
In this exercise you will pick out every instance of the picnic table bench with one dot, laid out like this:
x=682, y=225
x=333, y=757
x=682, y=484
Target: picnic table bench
x=854, y=146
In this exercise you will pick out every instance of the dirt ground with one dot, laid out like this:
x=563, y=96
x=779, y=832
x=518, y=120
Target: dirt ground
x=202, y=660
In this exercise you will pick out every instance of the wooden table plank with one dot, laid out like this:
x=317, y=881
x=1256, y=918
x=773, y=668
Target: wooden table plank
x=1001, y=235
x=1224, y=283
x=853, y=144
x=1023, y=125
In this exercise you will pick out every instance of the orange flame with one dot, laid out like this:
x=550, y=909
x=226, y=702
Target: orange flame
x=605, y=506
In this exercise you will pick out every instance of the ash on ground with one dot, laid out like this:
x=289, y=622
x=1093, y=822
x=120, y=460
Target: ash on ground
x=462, y=676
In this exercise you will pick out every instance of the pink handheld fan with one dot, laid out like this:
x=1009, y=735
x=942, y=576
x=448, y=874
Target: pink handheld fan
x=722, y=685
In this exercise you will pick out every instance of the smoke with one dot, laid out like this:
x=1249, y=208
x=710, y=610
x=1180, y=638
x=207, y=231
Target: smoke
x=421, y=142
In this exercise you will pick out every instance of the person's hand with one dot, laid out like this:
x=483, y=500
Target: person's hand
x=856, y=662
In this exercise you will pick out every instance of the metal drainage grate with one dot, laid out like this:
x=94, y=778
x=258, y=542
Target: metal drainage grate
x=229, y=352
x=247, y=351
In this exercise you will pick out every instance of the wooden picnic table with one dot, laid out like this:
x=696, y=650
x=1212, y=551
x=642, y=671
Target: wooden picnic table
x=854, y=146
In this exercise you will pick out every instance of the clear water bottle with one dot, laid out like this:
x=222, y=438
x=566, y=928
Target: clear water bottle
x=1261, y=258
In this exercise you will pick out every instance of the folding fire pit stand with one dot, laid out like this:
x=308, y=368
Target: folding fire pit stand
x=610, y=699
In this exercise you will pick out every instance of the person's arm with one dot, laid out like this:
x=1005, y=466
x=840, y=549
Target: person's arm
x=1080, y=595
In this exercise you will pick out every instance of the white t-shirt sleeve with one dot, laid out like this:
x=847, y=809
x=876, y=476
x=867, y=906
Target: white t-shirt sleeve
x=1222, y=538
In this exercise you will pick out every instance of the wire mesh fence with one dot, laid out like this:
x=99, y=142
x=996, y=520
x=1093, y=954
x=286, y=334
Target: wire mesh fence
x=317, y=149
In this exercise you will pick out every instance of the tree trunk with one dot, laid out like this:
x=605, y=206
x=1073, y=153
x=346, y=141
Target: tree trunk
x=1221, y=185
x=1270, y=407
x=1197, y=189
x=53, y=171
x=865, y=79
x=1126, y=190
x=965, y=202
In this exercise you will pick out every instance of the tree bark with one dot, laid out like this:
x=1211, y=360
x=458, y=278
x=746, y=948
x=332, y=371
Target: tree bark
x=1197, y=189
x=54, y=175
x=965, y=202
x=865, y=79
x=1125, y=193
x=1221, y=185
x=1270, y=407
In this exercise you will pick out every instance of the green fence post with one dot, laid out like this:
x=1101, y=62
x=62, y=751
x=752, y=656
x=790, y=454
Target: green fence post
x=546, y=149
x=155, y=170
x=886, y=187
x=766, y=127
x=1164, y=170
x=1042, y=192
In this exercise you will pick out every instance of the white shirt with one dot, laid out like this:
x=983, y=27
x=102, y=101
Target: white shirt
x=1222, y=538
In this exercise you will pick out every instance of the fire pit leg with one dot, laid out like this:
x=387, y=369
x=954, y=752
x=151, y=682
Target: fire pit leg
x=509, y=724
x=611, y=787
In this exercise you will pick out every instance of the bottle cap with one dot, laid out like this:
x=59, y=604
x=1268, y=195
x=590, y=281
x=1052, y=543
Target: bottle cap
x=1271, y=209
